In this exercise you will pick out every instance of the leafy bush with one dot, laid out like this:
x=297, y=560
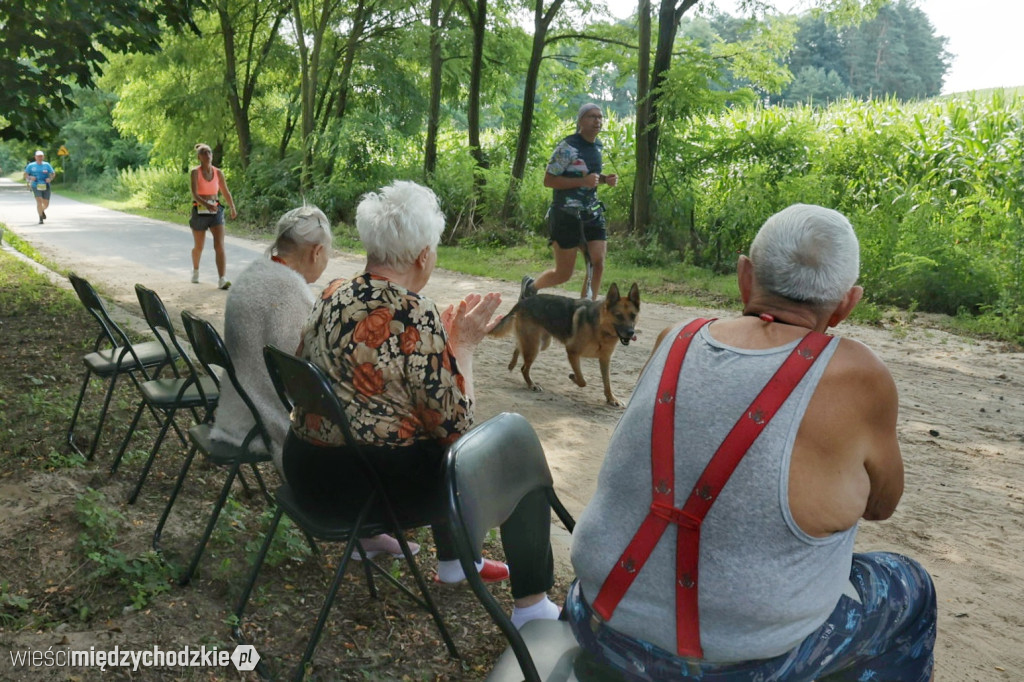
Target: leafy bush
x=156, y=187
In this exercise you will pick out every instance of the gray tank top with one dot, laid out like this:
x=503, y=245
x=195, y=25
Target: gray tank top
x=764, y=584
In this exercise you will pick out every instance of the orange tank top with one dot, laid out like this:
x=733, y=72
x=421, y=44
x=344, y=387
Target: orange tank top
x=206, y=187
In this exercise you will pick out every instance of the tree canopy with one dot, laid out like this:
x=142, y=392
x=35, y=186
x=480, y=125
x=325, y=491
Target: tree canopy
x=45, y=48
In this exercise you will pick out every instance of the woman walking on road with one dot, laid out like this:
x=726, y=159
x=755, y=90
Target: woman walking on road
x=208, y=213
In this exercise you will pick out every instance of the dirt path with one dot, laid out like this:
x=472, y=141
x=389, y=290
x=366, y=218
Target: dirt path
x=961, y=428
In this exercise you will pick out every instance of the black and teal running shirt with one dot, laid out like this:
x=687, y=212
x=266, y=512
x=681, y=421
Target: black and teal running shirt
x=575, y=157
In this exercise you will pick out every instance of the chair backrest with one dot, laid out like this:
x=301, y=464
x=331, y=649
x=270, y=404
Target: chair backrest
x=488, y=471
x=159, y=322
x=109, y=330
x=300, y=383
x=212, y=353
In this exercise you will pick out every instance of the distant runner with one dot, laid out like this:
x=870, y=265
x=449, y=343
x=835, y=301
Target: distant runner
x=38, y=175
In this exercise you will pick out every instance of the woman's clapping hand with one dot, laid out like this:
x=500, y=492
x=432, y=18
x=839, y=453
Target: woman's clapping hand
x=471, y=320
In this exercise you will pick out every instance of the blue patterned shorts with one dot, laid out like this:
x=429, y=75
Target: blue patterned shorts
x=887, y=637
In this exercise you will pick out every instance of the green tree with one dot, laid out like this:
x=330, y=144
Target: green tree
x=895, y=53
x=45, y=48
x=95, y=144
x=249, y=30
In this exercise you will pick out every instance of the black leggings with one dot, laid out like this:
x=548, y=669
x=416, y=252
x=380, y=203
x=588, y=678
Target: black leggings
x=330, y=480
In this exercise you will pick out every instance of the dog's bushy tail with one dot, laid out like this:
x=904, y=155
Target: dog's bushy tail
x=507, y=324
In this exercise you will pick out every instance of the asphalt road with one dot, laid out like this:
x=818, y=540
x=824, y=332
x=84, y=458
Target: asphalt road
x=115, y=250
x=86, y=232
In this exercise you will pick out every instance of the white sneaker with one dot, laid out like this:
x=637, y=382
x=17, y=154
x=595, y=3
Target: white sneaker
x=223, y=284
x=195, y=277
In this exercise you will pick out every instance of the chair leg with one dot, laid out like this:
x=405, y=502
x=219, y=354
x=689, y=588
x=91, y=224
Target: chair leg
x=312, y=543
x=422, y=584
x=244, y=598
x=367, y=568
x=78, y=408
x=325, y=610
x=152, y=456
x=174, y=495
x=218, y=505
x=263, y=486
x=127, y=437
x=245, y=484
x=102, y=416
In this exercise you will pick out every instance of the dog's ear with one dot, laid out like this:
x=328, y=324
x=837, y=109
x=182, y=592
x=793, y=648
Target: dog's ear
x=634, y=295
x=612, y=297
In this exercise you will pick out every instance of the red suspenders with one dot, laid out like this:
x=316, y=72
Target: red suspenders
x=688, y=520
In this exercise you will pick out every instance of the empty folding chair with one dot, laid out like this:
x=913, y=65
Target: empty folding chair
x=209, y=349
x=122, y=357
x=301, y=383
x=488, y=472
x=165, y=396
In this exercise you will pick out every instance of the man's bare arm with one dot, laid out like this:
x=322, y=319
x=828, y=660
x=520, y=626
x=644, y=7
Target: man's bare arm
x=883, y=461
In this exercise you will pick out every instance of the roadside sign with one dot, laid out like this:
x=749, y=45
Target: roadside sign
x=63, y=151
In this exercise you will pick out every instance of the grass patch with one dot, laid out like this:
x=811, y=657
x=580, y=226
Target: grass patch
x=24, y=290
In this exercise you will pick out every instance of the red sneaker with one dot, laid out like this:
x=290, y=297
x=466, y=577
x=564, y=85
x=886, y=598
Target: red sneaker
x=493, y=571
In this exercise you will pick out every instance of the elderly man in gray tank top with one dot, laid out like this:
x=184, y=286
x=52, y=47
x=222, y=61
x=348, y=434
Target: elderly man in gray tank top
x=763, y=583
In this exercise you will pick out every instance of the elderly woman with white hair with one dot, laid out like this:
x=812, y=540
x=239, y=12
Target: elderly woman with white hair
x=404, y=371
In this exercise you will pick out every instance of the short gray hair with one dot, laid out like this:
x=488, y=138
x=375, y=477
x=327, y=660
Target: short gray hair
x=589, y=106
x=303, y=226
x=396, y=223
x=807, y=254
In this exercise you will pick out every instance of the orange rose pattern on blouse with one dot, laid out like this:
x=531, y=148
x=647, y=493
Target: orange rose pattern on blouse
x=387, y=354
x=374, y=329
x=333, y=286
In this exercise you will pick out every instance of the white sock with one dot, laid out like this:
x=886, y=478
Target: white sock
x=450, y=570
x=545, y=608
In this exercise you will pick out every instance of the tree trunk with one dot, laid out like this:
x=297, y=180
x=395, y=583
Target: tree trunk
x=643, y=180
x=669, y=16
x=541, y=23
x=434, y=108
x=479, y=21
x=240, y=93
x=359, y=21
x=309, y=77
x=238, y=112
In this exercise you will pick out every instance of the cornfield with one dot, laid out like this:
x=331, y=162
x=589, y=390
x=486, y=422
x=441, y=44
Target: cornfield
x=934, y=189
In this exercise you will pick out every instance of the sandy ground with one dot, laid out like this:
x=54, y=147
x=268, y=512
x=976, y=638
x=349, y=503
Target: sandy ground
x=961, y=422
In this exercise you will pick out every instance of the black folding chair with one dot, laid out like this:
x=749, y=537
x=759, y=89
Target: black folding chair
x=211, y=352
x=122, y=357
x=301, y=383
x=165, y=396
x=487, y=473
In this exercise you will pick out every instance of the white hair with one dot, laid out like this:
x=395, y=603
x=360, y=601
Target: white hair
x=300, y=227
x=398, y=222
x=807, y=254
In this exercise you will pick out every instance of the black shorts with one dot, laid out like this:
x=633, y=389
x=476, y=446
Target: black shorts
x=565, y=227
x=201, y=222
x=42, y=193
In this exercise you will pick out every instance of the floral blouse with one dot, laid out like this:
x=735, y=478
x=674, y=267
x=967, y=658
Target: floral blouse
x=387, y=353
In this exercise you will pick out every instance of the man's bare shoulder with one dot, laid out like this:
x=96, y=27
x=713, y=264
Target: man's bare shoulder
x=857, y=368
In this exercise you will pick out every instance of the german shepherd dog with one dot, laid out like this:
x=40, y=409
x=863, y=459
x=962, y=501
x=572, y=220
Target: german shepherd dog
x=588, y=329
